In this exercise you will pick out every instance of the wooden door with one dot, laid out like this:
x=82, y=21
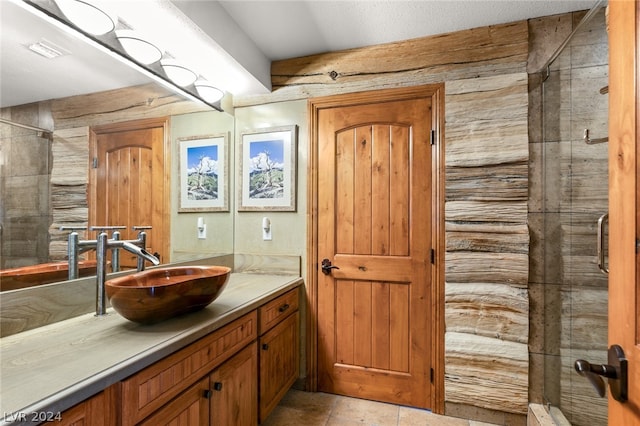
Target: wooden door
x=131, y=182
x=624, y=201
x=234, y=400
x=377, y=204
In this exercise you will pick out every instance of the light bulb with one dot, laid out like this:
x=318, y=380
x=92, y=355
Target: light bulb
x=138, y=48
x=90, y=16
x=179, y=74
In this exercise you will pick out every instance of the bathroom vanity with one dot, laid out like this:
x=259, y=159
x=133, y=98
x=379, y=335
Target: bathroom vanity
x=229, y=363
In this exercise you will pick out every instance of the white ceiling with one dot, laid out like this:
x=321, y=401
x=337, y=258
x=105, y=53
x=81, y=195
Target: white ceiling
x=250, y=33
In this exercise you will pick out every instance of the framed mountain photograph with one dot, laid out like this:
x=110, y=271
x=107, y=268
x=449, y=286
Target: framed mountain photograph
x=268, y=169
x=204, y=174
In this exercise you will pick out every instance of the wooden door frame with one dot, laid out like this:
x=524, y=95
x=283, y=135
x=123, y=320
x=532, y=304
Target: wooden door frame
x=146, y=123
x=624, y=207
x=436, y=92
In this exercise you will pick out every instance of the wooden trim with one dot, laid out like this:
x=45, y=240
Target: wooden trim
x=624, y=116
x=438, y=242
x=314, y=106
x=312, y=252
x=146, y=123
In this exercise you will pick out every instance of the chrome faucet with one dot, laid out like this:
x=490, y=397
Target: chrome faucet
x=76, y=246
x=103, y=244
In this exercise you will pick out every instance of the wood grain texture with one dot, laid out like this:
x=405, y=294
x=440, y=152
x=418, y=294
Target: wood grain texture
x=479, y=52
x=499, y=367
x=487, y=242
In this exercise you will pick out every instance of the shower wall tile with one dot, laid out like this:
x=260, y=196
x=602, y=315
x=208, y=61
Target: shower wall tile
x=29, y=155
x=546, y=34
x=584, y=319
x=551, y=166
x=536, y=377
x=553, y=316
x=536, y=248
x=579, y=401
x=25, y=196
x=536, y=178
x=552, y=243
x=536, y=318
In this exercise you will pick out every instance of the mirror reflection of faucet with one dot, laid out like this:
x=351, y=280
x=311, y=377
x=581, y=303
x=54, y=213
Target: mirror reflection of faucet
x=102, y=244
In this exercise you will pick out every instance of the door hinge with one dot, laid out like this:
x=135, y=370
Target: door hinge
x=94, y=163
x=432, y=374
x=433, y=256
x=433, y=137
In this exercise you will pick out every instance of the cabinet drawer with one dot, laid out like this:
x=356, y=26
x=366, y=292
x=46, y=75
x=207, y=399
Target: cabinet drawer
x=153, y=387
x=275, y=311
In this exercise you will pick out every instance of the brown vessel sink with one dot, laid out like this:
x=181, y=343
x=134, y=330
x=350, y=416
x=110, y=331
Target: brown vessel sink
x=158, y=294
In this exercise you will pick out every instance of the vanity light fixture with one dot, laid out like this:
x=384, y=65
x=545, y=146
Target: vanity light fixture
x=138, y=48
x=179, y=74
x=208, y=92
x=90, y=16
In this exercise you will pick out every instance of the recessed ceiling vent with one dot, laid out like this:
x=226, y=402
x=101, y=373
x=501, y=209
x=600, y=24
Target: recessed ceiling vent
x=47, y=49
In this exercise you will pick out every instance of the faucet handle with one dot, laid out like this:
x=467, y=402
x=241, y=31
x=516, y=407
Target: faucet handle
x=73, y=228
x=141, y=227
x=106, y=228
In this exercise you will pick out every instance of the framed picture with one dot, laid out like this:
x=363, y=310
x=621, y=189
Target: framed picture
x=268, y=169
x=204, y=174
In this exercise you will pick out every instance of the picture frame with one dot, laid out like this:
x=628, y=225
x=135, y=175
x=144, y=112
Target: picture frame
x=204, y=173
x=267, y=169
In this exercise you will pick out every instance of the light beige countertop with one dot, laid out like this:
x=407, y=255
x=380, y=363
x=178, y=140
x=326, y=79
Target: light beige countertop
x=51, y=368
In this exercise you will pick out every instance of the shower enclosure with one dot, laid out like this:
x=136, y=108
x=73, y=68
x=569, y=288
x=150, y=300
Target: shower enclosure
x=574, y=198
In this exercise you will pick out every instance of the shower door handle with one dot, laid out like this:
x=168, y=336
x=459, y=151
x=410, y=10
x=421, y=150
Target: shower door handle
x=601, y=241
x=615, y=372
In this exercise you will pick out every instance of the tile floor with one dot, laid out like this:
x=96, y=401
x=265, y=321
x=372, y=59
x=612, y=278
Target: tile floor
x=299, y=408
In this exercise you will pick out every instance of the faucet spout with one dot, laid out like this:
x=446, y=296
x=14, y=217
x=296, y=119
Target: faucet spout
x=140, y=252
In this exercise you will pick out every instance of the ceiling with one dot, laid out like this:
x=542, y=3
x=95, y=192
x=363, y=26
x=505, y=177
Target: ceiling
x=249, y=34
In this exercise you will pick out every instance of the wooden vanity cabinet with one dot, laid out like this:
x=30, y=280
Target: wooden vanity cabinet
x=149, y=390
x=278, y=350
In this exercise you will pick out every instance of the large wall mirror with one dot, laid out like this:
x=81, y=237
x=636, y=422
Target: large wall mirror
x=33, y=141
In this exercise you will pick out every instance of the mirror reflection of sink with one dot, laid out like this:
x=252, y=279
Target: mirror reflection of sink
x=155, y=295
x=43, y=273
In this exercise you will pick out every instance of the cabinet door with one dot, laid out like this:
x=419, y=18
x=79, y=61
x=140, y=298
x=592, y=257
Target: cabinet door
x=234, y=398
x=190, y=408
x=98, y=410
x=279, y=362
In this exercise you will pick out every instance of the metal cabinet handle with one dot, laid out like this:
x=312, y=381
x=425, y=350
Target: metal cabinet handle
x=265, y=347
x=601, y=241
x=283, y=307
x=217, y=386
x=615, y=372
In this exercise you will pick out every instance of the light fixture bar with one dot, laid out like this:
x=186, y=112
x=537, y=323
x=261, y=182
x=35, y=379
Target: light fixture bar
x=104, y=47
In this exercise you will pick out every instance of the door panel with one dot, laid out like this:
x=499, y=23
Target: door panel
x=130, y=183
x=375, y=213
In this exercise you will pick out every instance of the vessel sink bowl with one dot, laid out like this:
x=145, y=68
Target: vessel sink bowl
x=155, y=295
